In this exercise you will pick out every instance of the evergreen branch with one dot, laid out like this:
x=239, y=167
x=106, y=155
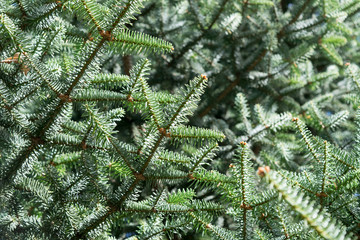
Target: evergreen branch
x=173, y=157
x=242, y=160
x=8, y=174
x=282, y=220
x=154, y=177
x=184, y=134
x=218, y=232
x=99, y=46
x=85, y=66
x=168, y=229
x=35, y=187
x=97, y=95
x=21, y=8
x=169, y=211
x=195, y=40
x=324, y=172
x=91, y=15
x=136, y=73
x=109, y=80
x=152, y=153
x=195, y=88
x=81, y=233
x=11, y=29
x=294, y=19
x=99, y=123
x=204, y=154
x=297, y=183
x=47, y=13
x=252, y=65
x=130, y=6
x=343, y=158
x=320, y=222
x=153, y=106
x=267, y=199
x=306, y=137
x=91, y=177
x=127, y=41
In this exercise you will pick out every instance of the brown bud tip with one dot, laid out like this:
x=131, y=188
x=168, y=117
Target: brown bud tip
x=110, y=165
x=231, y=166
x=162, y=131
x=130, y=98
x=203, y=76
x=267, y=169
x=106, y=34
x=242, y=143
x=347, y=64
x=191, y=176
x=83, y=145
x=139, y=176
x=208, y=226
x=261, y=171
x=65, y=98
x=172, y=49
x=295, y=119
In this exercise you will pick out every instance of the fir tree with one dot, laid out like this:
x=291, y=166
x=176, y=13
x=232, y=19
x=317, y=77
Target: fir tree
x=67, y=171
x=98, y=143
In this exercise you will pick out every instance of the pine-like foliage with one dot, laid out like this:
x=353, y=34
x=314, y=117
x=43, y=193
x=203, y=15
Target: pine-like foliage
x=92, y=147
x=68, y=169
x=283, y=83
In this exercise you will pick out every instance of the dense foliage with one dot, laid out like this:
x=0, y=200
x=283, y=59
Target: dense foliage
x=98, y=143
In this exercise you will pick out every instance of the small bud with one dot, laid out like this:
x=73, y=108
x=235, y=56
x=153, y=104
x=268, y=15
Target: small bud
x=231, y=166
x=83, y=145
x=347, y=64
x=65, y=98
x=203, y=76
x=262, y=170
x=139, y=176
x=162, y=131
x=130, y=98
x=295, y=119
x=106, y=35
x=242, y=143
x=208, y=226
